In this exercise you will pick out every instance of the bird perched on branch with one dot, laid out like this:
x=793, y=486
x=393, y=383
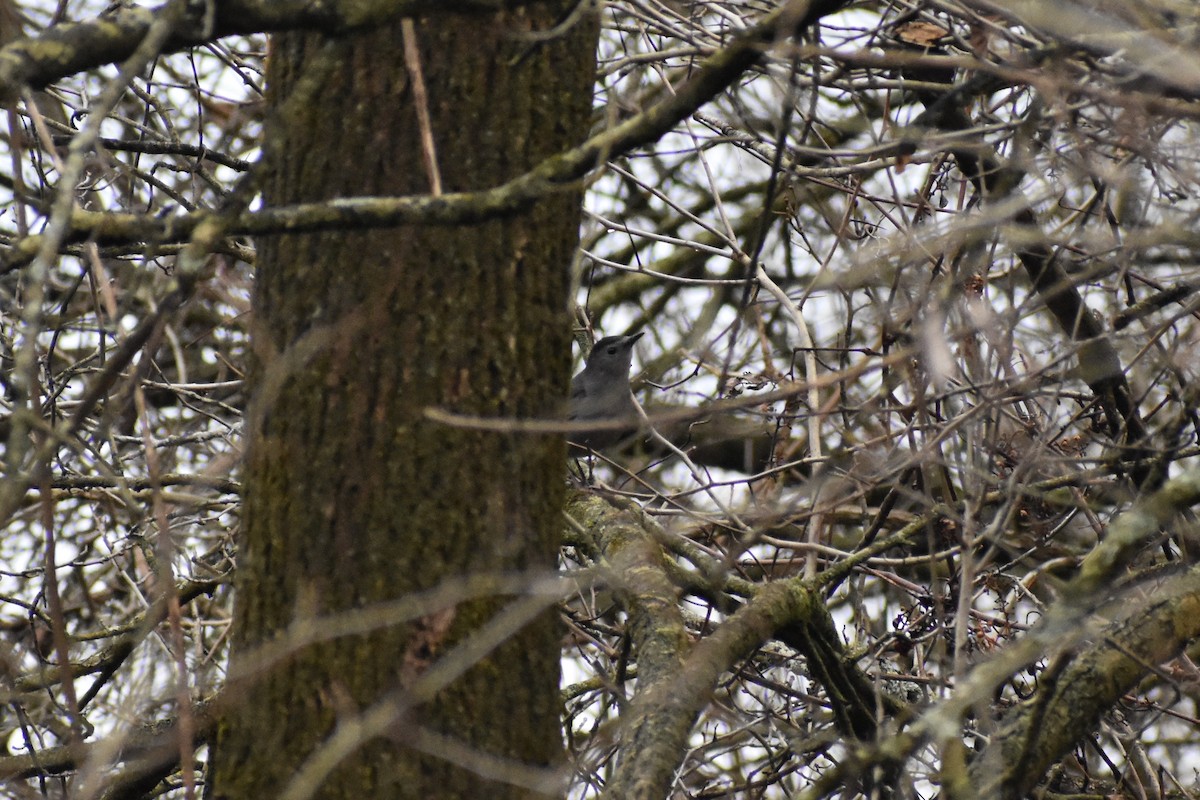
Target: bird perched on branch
x=600, y=392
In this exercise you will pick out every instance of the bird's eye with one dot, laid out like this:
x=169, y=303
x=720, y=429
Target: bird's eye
x=612, y=351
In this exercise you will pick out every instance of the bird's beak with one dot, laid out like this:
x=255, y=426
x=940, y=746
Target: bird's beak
x=632, y=338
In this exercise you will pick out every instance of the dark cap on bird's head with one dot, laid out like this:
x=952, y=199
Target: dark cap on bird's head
x=613, y=351
x=601, y=390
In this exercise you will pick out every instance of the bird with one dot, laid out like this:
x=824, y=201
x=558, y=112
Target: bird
x=601, y=392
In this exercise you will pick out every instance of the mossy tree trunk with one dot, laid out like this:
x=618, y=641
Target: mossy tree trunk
x=353, y=497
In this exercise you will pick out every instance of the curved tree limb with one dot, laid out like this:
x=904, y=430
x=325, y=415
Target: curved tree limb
x=456, y=208
x=1086, y=686
x=1094, y=673
x=677, y=680
x=72, y=47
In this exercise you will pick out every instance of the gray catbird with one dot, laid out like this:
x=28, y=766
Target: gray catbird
x=601, y=392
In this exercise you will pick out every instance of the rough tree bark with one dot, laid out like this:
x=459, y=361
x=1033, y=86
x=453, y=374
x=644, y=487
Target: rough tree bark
x=353, y=497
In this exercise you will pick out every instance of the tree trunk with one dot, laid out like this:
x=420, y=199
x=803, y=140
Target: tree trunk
x=354, y=498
